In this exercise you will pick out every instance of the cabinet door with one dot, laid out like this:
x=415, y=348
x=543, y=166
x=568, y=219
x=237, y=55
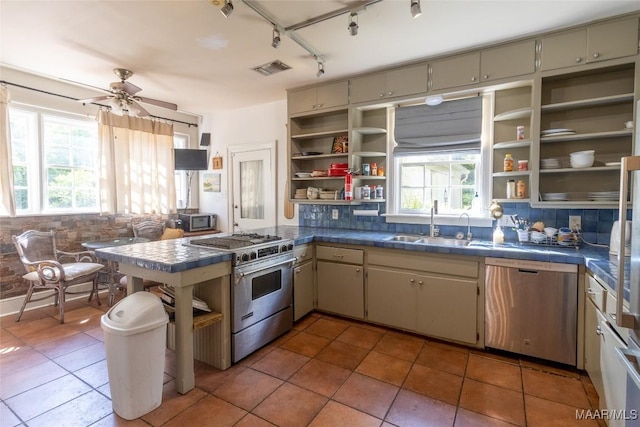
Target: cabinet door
x=461, y=70
x=614, y=373
x=341, y=289
x=302, y=290
x=612, y=40
x=301, y=100
x=447, y=308
x=508, y=61
x=592, y=345
x=332, y=95
x=368, y=88
x=564, y=50
x=391, y=298
x=408, y=80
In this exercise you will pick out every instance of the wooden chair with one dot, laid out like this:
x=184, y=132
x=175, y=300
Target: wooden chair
x=46, y=268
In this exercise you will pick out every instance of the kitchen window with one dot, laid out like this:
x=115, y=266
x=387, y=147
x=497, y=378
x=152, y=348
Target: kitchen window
x=181, y=140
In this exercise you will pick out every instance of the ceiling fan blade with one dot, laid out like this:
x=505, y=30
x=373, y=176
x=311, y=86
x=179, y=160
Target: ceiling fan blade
x=141, y=112
x=163, y=104
x=125, y=87
x=95, y=99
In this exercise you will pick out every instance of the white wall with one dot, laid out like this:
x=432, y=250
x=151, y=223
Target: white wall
x=254, y=125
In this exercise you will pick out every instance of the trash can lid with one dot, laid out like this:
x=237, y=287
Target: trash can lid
x=136, y=313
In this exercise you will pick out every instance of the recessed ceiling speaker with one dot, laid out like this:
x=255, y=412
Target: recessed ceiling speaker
x=205, y=140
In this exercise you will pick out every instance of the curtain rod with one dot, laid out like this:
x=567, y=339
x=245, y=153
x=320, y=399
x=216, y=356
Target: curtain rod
x=4, y=82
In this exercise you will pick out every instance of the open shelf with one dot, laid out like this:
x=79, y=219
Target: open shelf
x=519, y=113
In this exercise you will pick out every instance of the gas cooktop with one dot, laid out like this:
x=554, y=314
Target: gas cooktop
x=236, y=240
x=248, y=247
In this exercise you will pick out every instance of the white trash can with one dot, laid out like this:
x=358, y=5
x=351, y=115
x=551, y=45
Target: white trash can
x=135, y=333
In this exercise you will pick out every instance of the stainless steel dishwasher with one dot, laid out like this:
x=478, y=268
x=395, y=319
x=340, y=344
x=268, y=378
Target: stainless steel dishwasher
x=531, y=308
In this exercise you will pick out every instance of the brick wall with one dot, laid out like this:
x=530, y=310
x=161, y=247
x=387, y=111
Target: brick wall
x=71, y=231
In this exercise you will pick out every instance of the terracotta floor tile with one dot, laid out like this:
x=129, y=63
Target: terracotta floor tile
x=209, y=378
x=113, y=420
x=49, y=333
x=345, y=355
x=400, y=346
x=290, y=406
x=385, y=368
x=95, y=375
x=83, y=411
x=545, y=413
x=444, y=357
x=494, y=372
x=9, y=343
x=434, y=383
x=555, y=387
x=465, y=418
x=96, y=333
x=415, y=410
x=8, y=418
x=306, y=344
x=82, y=357
x=367, y=395
x=498, y=356
x=25, y=328
x=257, y=355
x=173, y=403
x=17, y=382
x=538, y=366
x=208, y=411
x=336, y=414
x=592, y=394
x=19, y=360
x=361, y=337
x=247, y=389
x=82, y=318
x=53, y=349
x=326, y=328
x=493, y=401
x=43, y=398
x=320, y=377
x=29, y=315
x=251, y=420
x=280, y=363
x=303, y=323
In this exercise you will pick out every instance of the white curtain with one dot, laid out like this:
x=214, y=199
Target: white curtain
x=136, y=165
x=7, y=201
x=251, y=190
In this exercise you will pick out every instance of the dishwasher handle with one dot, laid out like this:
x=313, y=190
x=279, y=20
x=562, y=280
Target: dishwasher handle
x=526, y=271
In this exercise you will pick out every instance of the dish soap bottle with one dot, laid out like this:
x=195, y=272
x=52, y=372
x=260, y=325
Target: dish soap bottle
x=498, y=236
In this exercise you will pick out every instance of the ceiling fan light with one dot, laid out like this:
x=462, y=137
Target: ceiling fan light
x=227, y=9
x=320, y=72
x=416, y=10
x=353, y=24
x=275, y=42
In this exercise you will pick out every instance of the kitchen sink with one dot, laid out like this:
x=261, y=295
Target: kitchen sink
x=444, y=241
x=405, y=238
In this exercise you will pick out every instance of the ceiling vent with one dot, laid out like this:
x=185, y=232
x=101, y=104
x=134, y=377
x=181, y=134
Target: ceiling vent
x=272, y=67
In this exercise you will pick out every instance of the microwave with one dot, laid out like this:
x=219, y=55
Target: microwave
x=198, y=222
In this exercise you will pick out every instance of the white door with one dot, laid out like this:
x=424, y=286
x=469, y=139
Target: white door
x=253, y=177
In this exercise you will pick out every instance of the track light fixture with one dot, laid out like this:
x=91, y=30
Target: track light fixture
x=320, y=72
x=353, y=24
x=227, y=8
x=415, y=8
x=275, y=42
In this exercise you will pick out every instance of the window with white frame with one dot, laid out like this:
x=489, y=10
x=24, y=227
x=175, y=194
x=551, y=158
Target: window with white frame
x=55, y=162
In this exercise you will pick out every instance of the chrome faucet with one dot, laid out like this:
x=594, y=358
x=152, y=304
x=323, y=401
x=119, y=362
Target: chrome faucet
x=469, y=236
x=433, y=229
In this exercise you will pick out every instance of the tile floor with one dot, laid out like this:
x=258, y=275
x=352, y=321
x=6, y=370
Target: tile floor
x=326, y=372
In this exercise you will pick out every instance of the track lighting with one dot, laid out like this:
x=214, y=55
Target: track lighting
x=276, y=37
x=353, y=24
x=320, y=72
x=227, y=8
x=415, y=8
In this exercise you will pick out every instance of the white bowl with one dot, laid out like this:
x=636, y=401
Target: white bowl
x=538, y=236
x=578, y=163
x=583, y=153
x=550, y=231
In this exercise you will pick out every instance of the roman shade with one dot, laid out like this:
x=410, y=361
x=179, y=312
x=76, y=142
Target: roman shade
x=451, y=126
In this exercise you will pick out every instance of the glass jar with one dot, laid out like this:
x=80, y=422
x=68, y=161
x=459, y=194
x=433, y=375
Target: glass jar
x=374, y=169
x=521, y=190
x=508, y=163
x=511, y=189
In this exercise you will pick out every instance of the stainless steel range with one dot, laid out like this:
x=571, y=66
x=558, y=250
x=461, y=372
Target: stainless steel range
x=261, y=295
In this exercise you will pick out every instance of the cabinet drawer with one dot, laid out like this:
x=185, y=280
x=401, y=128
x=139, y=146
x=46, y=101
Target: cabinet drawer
x=303, y=253
x=349, y=256
x=595, y=292
x=610, y=315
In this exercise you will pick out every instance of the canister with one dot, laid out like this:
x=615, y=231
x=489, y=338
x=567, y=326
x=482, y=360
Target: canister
x=366, y=169
x=366, y=192
x=374, y=169
x=521, y=190
x=379, y=192
x=520, y=133
x=523, y=165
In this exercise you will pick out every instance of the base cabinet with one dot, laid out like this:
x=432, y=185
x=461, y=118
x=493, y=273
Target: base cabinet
x=427, y=304
x=592, y=334
x=341, y=289
x=302, y=290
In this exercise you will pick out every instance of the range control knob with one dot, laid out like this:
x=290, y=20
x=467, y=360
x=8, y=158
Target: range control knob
x=245, y=257
x=283, y=248
x=290, y=247
x=253, y=255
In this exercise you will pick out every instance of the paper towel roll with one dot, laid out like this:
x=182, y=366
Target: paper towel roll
x=365, y=212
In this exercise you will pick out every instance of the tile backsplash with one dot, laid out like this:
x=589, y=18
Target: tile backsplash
x=596, y=223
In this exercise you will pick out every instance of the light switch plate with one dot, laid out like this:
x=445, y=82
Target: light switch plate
x=335, y=214
x=575, y=222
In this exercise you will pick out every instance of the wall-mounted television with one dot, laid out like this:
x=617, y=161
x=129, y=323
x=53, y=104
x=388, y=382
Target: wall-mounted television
x=187, y=159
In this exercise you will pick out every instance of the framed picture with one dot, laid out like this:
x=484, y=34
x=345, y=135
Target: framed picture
x=216, y=162
x=211, y=182
x=340, y=145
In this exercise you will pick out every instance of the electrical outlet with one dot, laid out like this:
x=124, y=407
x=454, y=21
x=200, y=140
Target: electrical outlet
x=575, y=222
x=335, y=214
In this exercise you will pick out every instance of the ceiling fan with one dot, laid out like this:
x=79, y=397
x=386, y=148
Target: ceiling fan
x=123, y=99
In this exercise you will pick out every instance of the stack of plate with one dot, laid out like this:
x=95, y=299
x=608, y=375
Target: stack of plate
x=549, y=163
x=604, y=196
x=301, y=193
x=556, y=132
x=328, y=195
x=555, y=197
x=303, y=174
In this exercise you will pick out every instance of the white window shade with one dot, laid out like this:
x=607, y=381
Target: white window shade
x=451, y=126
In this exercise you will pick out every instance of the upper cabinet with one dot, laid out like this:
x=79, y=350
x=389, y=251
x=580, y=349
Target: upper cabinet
x=515, y=59
x=598, y=42
x=318, y=97
x=403, y=81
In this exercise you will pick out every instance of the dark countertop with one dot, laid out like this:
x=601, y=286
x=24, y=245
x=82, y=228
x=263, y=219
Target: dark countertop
x=173, y=255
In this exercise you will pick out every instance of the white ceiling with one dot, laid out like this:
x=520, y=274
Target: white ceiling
x=188, y=53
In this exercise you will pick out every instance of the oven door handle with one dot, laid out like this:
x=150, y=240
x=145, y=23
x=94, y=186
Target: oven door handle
x=241, y=274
